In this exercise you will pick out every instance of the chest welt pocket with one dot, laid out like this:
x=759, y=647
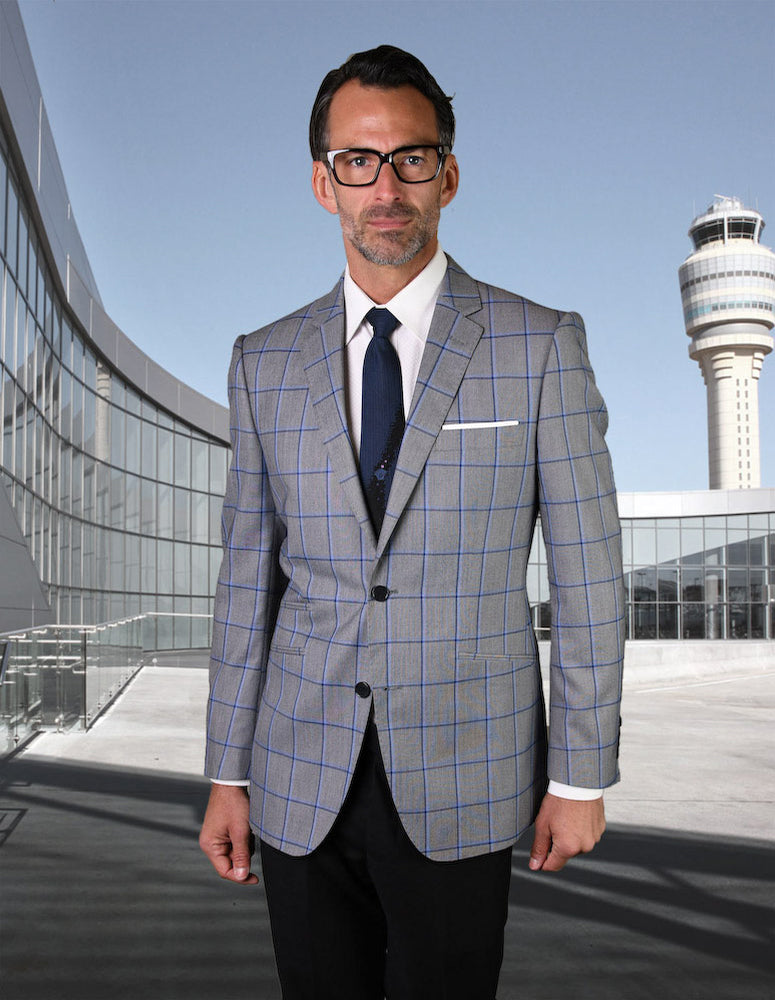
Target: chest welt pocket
x=479, y=437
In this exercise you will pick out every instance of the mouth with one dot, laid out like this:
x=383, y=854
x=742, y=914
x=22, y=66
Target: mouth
x=385, y=218
x=390, y=223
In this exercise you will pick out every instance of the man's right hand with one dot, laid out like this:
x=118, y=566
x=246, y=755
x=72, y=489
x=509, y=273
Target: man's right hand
x=226, y=837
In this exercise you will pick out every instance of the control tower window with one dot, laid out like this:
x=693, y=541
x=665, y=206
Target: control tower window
x=710, y=232
x=741, y=229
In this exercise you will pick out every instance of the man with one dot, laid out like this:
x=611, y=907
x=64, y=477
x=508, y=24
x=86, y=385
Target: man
x=374, y=674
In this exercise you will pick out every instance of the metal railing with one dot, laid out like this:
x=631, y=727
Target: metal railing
x=62, y=677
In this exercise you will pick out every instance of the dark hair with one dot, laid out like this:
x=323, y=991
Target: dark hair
x=386, y=67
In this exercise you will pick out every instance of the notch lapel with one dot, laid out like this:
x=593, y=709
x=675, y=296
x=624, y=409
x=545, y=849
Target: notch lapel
x=322, y=352
x=452, y=339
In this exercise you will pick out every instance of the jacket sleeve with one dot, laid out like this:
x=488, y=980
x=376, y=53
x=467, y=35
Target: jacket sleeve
x=580, y=524
x=247, y=594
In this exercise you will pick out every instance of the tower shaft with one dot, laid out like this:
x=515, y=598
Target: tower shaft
x=731, y=377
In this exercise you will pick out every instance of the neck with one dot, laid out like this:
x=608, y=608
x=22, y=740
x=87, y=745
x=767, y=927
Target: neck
x=382, y=281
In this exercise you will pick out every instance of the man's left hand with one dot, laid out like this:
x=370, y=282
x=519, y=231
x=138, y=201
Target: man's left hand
x=565, y=828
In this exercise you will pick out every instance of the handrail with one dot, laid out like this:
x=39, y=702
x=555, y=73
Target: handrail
x=93, y=627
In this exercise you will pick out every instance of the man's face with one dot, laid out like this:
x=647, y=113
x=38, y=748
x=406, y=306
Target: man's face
x=388, y=223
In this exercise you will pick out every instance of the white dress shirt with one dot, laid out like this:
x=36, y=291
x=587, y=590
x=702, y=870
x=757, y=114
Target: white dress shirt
x=413, y=307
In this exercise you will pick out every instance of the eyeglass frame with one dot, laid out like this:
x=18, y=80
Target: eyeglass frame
x=442, y=151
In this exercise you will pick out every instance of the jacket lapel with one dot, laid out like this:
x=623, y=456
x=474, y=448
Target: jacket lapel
x=322, y=352
x=457, y=327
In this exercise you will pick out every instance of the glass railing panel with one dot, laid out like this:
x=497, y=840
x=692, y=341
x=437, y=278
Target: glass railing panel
x=114, y=654
x=42, y=684
x=63, y=676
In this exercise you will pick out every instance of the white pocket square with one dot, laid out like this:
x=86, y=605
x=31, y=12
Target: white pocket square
x=470, y=425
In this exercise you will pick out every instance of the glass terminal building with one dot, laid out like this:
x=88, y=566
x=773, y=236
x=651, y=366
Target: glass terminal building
x=112, y=474
x=114, y=469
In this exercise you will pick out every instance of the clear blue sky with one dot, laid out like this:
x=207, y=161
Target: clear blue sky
x=589, y=135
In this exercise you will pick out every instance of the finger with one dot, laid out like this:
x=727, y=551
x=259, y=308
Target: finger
x=241, y=852
x=556, y=860
x=226, y=867
x=542, y=843
x=218, y=852
x=249, y=879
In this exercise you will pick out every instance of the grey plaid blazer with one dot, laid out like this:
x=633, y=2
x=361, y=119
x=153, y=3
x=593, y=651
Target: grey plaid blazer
x=433, y=615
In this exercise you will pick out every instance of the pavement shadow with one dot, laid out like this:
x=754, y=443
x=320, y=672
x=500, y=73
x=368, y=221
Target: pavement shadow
x=649, y=913
x=105, y=894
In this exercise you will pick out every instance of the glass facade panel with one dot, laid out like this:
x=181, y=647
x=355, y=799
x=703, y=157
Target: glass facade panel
x=164, y=510
x=724, y=589
x=182, y=458
x=218, y=463
x=165, y=455
x=199, y=517
x=199, y=463
x=132, y=444
x=149, y=450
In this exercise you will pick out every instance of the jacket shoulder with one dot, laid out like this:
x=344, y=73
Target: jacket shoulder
x=501, y=301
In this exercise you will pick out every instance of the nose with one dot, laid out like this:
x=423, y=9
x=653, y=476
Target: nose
x=387, y=186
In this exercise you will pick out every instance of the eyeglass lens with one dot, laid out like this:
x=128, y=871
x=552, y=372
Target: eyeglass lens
x=361, y=166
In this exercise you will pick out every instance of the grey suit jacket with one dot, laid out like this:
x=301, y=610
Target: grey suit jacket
x=433, y=615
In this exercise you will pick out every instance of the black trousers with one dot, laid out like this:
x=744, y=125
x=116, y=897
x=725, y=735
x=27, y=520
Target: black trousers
x=367, y=916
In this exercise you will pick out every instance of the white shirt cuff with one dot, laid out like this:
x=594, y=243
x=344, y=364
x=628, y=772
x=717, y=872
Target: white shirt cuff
x=574, y=791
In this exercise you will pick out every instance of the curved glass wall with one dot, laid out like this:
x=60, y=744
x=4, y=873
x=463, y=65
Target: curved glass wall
x=118, y=500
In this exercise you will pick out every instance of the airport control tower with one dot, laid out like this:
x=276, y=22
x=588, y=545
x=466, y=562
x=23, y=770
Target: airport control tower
x=728, y=294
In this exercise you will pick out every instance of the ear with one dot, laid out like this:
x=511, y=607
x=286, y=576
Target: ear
x=449, y=180
x=323, y=187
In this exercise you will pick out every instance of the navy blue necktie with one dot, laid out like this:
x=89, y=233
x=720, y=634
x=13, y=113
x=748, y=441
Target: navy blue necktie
x=382, y=414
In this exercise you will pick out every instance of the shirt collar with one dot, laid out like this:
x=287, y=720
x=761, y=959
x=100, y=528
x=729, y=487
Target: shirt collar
x=412, y=306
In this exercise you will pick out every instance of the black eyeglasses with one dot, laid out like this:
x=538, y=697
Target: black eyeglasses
x=412, y=164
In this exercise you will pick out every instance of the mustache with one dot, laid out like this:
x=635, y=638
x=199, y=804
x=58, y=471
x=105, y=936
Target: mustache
x=395, y=211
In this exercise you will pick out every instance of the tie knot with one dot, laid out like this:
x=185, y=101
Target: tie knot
x=383, y=322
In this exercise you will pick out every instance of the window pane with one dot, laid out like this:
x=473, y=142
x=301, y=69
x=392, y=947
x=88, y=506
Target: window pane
x=165, y=455
x=200, y=569
x=117, y=561
x=643, y=546
x=148, y=518
x=182, y=460
x=164, y=511
x=132, y=443
x=164, y=566
x=132, y=500
x=182, y=515
x=148, y=566
x=199, y=517
x=117, y=443
x=77, y=483
x=149, y=450
x=117, y=508
x=199, y=463
x=182, y=568
x=218, y=461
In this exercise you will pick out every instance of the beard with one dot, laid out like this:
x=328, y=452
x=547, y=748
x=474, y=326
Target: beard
x=391, y=247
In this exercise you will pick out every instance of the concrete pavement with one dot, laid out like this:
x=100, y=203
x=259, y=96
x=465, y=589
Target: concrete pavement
x=105, y=894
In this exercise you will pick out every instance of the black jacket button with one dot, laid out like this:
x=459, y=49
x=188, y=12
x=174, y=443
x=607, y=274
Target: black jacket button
x=380, y=593
x=362, y=689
